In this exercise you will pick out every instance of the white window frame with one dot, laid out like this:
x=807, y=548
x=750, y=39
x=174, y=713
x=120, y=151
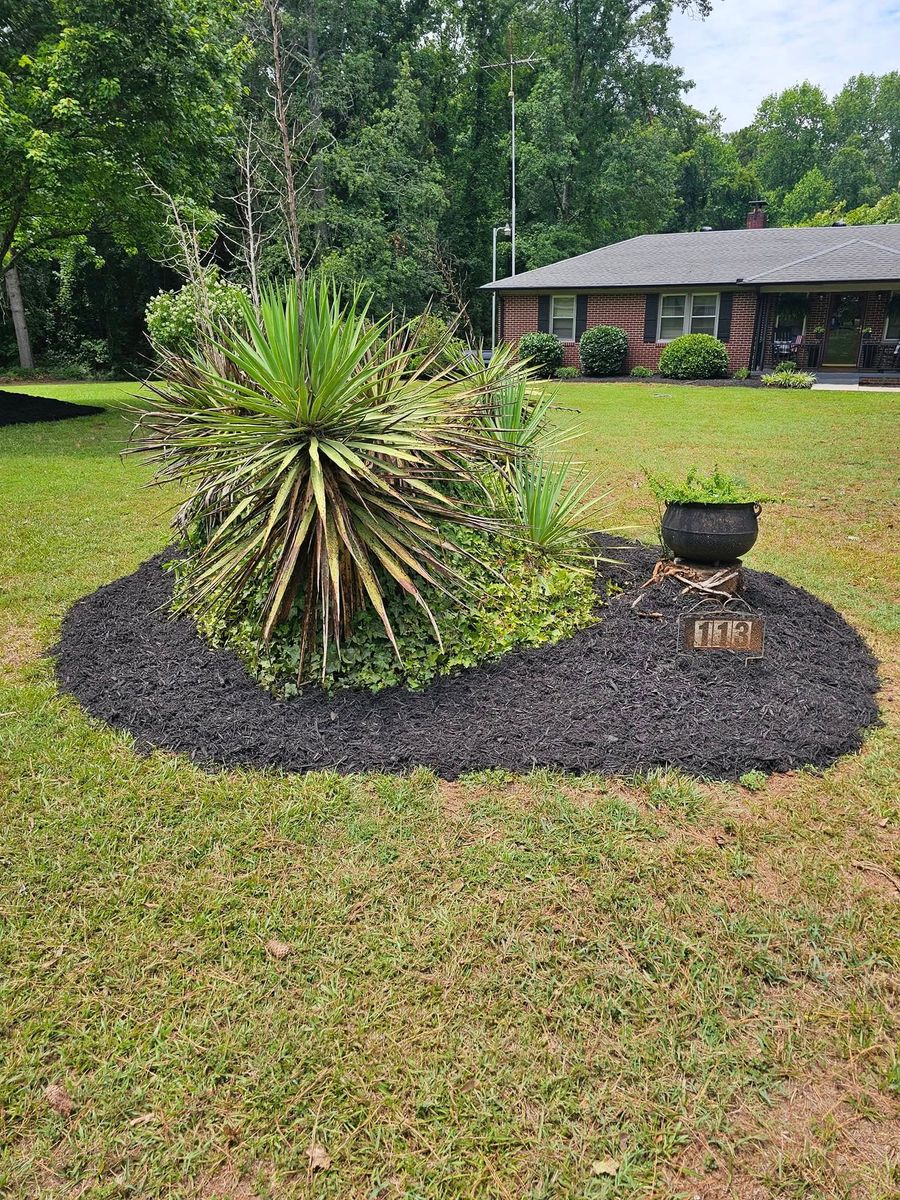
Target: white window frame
x=687, y=315
x=564, y=296
x=887, y=317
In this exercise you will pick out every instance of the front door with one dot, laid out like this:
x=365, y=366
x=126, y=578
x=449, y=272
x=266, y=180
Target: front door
x=844, y=330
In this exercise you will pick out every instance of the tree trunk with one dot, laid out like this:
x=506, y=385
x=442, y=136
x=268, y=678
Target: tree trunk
x=314, y=69
x=19, y=318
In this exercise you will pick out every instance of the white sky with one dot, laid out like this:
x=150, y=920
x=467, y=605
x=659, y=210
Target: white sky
x=748, y=48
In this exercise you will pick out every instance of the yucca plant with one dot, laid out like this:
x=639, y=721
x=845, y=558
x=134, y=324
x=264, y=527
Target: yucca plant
x=328, y=457
x=549, y=503
x=519, y=414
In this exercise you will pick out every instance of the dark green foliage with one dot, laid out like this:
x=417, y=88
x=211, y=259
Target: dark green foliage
x=436, y=343
x=566, y=372
x=519, y=599
x=602, y=350
x=544, y=351
x=641, y=372
x=402, y=148
x=695, y=488
x=694, y=356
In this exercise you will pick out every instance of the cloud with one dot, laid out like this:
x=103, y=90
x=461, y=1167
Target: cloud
x=748, y=48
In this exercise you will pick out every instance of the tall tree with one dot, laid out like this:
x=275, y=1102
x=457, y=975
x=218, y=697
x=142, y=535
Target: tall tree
x=95, y=97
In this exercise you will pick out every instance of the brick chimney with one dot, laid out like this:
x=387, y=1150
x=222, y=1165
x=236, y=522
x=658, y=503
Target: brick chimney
x=756, y=217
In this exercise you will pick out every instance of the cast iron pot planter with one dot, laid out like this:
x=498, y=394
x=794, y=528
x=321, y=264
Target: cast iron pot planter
x=710, y=533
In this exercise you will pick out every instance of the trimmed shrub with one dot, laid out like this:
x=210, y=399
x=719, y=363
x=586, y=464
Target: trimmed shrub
x=694, y=356
x=544, y=351
x=640, y=372
x=566, y=372
x=742, y=373
x=602, y=350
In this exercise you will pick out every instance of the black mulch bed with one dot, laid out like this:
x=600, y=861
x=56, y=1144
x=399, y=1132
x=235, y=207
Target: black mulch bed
x=18, y=409
x=614, y=698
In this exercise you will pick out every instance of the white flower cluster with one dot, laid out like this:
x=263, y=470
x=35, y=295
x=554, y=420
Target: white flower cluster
x=172, y=316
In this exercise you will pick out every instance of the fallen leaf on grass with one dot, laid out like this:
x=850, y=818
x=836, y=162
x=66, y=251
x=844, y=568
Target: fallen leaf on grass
x=319, y=1158
x=59, y=1099
x=277, y=948
x=605, y=1166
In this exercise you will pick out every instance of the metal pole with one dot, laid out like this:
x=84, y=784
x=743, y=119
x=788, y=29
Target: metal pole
x=512, y=97
x=494, y=293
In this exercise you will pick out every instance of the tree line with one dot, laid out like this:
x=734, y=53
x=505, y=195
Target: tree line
x=370, y=141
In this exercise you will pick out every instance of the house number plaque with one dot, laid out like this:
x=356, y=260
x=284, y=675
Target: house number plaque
x=739, y=633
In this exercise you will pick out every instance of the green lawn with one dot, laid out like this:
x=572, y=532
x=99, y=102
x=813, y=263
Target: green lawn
x=535, y=987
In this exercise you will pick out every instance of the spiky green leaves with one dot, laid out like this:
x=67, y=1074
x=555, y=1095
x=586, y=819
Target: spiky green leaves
x=325, y=454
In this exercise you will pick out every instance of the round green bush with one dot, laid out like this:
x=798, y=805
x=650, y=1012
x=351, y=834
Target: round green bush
x=544, y=350
x=602, y=350
x=520, y=599
x=694, y=356
x=172, y=316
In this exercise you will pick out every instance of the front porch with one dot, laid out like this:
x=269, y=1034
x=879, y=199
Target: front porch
x=832, y=333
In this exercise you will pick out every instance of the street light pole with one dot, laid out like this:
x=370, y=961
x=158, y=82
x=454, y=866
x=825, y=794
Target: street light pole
x=506, y=231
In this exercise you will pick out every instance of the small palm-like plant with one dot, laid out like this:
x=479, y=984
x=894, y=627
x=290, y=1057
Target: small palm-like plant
x=550, y=504
x=321, y=458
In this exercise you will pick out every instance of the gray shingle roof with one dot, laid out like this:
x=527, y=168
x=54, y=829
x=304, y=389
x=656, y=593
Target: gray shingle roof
x=833, y=254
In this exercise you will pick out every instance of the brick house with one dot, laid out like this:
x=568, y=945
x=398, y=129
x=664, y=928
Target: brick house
x=828, y=298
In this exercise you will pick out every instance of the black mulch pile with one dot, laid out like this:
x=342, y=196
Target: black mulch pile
x=18, y=409
x=614, y=698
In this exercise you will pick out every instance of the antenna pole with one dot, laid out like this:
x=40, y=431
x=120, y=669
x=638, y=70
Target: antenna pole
x=510, y=64
x=512, y=201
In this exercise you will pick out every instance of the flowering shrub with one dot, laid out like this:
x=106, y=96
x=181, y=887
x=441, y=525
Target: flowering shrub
x=172, y=317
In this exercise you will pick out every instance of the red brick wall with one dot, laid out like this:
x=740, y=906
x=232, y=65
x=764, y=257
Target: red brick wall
x=519, y=314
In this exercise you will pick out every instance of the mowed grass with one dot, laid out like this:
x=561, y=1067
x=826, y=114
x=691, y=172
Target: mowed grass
x=249, y=984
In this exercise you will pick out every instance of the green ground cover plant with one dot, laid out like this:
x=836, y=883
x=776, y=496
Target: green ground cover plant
x=788, y=375
x=533, y=986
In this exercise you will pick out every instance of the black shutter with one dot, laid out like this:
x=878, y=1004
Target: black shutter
x=723, y=332
x=580, y=317
x=651, y=311
x=543, y=314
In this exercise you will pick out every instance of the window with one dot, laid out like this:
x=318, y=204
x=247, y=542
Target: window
x=690, y=313
x=562, y=317
x=892, y=325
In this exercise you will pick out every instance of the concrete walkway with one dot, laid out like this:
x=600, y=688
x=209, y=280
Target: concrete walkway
x=842, y=381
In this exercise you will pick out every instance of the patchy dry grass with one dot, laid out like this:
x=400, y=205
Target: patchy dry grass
x=254, y=985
